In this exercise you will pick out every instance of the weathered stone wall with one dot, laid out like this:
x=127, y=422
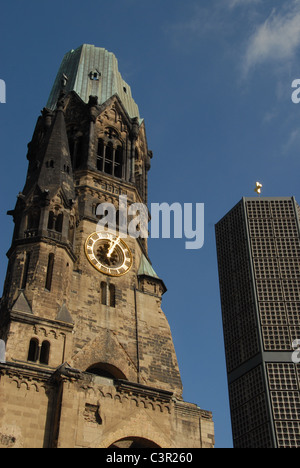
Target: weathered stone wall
x=60, y=403
x=25, y=410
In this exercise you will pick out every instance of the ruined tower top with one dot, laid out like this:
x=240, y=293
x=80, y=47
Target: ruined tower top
x=92, y=71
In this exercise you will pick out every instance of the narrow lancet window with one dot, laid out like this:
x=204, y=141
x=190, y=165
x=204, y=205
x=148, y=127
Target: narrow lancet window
x=59, y=223
x=109, y=153
x=33, y=350
x=51, y=220
x=112, y=295
x=45, y=353
x=49, y=272
x=103, y=293
x=118, y=166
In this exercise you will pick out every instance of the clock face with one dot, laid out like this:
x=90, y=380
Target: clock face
x=108, y=253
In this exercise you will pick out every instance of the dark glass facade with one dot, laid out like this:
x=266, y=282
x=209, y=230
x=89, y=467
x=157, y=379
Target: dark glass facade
x=258, y=248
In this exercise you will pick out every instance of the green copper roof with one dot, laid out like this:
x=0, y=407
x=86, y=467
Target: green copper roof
x=146, y=268
x=93, y=71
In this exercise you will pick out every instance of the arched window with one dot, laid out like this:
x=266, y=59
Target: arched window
x=49, y=272
x=108, y=294
x=59, y=223
x=110, y=156
x=94, y=75
x=106, y=370
x=117, y=218
x=45, y=352
x=33, y=350
x=134, y=443
x=51, y=220
x=118, y=164
x=50, y=164
x=37, y=354
x=55, y=222
x=103, y=293
x=33, y=221
x=112, y=295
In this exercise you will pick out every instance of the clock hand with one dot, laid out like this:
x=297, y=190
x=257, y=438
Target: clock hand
x=112, y=247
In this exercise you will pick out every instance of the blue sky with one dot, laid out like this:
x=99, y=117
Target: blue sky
x=212, y=79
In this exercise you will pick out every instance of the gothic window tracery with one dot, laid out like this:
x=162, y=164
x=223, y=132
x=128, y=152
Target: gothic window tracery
x=110, y=154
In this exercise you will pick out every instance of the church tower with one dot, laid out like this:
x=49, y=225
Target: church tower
x=86, y=354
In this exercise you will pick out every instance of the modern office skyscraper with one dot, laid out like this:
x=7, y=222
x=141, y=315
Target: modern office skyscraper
x=258, y=248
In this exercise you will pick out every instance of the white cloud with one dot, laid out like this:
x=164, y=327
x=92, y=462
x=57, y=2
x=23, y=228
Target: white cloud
x=293, y=141
x=237, y=3
x=277, y=39
x=269, y=116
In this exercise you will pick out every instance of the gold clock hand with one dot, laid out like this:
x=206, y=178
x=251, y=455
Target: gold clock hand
x=112, y=247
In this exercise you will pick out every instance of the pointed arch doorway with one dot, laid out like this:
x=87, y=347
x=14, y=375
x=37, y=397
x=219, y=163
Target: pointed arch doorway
x=133, y=443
